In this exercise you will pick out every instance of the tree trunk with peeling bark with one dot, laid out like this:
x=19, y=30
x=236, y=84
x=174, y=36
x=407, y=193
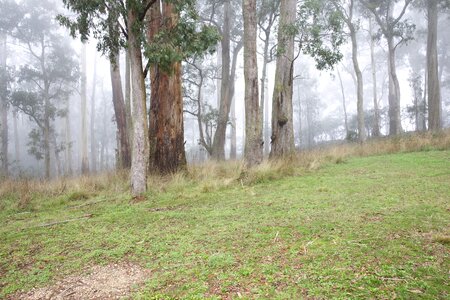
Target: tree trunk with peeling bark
x=3, y=110
x=166, y=134
x=218, y=149
x=139, y=161
x=282, y=116
x=376, y=110
x=359, y=84
x=84, y=146
x=253, y=124
x=395, y=124
x=434, y=91
x=124, y=159
x=92, y=123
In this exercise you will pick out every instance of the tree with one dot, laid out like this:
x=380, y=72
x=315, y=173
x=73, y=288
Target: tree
x=376, y=110
x=118, y=24
x=348, y=17
x=84, y=135
x=173, y=36
x=167, y=153
x=434, y=90
x=318, y=32
x=10, y=16
x=396, y=32
x=120, y=112
x=228, y=72
x=253, y=122
x=344, y=102
x=49, y=78
x=282, y=116
x=195, y=76
x=267, y=15
x=3, y=106
x=93, y=138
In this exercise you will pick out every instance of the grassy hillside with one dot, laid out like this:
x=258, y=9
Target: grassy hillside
x=371, y=227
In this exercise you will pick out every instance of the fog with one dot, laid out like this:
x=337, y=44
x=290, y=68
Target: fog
x=318, y=108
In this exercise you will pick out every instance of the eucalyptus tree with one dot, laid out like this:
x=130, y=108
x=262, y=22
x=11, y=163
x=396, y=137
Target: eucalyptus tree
x=347, y=10
x=117, y=24
x=197, y=75
x=434, y=88
x=282, y=114
x=84, y=132
x=173, y=37
x=396, y=32
x=224, y=16
x=47, y=79
x=253, y=153
x=11, y=14
x=318, y=33
x=4, y=81
x=376, y=110
x=268, y=13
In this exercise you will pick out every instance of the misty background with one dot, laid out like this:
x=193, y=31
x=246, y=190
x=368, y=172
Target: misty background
x=322, y=100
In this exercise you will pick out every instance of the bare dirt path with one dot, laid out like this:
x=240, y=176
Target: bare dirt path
x=114, y=281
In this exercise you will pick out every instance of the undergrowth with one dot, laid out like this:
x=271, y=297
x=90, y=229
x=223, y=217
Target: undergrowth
x=19, y=193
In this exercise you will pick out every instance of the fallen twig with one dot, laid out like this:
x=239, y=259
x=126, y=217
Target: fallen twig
x=87, y=204
x=87, y=216
x=276, y=237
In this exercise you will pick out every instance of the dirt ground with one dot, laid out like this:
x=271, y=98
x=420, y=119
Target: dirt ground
x=114, y=281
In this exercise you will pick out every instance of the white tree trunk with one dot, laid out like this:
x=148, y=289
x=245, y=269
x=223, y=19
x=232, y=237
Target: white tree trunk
x=84, y=141
x=140, y=149
x=253, y=134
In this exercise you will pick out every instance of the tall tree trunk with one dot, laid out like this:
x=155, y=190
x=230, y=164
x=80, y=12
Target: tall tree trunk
x=253, y=124
x=218, y=151
x=3, y=110
x=56, y=152
x=92, y=123
x=395, y=124
x=264, y=91
x=84, y=142
x=424, y=107
x=300, y=127
x=124, y=157
x=69, y=168
x=233, y=150
x=16, y=138
x=128, y=97
x=376, y=110
x=434, y=91
x=282, y=116
x=167, y=153
x=344, y=105
x=231, y=87
x=139, y=162
x=359, y=84
x=47, y=134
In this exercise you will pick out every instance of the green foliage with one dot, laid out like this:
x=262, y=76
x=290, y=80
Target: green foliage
x=100, y=20
x=320, y=31
x=187, y=39
x=391, y=27
x=51, y=72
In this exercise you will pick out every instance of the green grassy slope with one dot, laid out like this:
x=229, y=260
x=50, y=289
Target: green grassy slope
x=375, y=227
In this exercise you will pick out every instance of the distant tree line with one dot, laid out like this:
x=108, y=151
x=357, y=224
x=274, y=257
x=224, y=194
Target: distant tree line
x=180, y=54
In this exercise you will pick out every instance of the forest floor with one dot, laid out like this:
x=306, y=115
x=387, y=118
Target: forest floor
x=359, y=227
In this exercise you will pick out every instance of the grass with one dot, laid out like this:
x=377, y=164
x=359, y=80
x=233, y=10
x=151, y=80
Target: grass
x=334, y=224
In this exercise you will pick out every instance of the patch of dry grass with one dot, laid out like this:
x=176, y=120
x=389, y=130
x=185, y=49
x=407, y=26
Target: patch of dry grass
x=212, y=176
x=19, y=194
